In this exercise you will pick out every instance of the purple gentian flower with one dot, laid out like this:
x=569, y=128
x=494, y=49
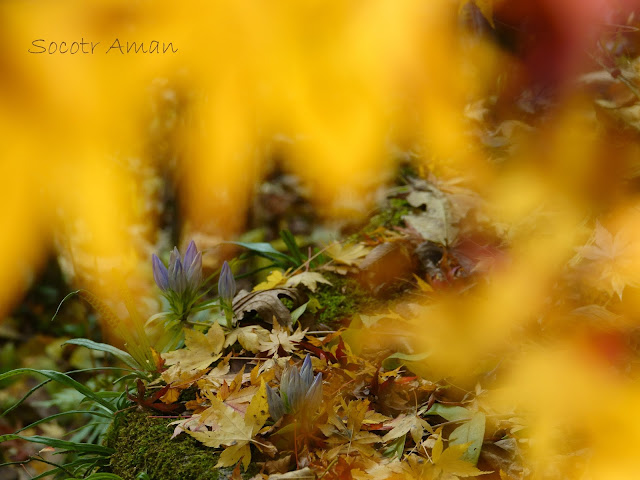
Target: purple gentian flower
x=226, y=284
x=299, y=392
x=183, y=274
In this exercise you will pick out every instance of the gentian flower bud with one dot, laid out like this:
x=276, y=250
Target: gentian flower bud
x=160, y=273
x=181, y=281
x=226, y=284
x=299, y=392
x=177, y=280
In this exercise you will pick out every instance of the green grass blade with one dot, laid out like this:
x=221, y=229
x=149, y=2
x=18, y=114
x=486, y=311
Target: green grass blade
x=56, y=415
x=65, y=380
x=266, y=250
x=62, y=444
x=290, y=241
x=42, y=384
x=104, y=347
x=24, y=397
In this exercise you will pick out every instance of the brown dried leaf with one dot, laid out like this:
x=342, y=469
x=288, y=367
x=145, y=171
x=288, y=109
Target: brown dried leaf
x=267, y=304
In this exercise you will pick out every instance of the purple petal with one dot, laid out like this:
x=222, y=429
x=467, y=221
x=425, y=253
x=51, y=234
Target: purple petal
x=313, y=398
x=276, y=406
x=190, y=255
x=174, y=256
x=160, y=273
x=306, y=372
x=194, y=272
x=177, y=280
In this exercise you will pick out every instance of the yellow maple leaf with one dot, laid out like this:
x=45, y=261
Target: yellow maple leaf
x=258, y=410
x=615, y=258
x=347, y=254
x=234, y=430
x=179, y=379
x=171, y=396
x=216, y=376
x=200, y=351
x=404, y=424
x=308, y=279
x=343, y=429
x=249, y=337
x=449, y=461
x=273, y=280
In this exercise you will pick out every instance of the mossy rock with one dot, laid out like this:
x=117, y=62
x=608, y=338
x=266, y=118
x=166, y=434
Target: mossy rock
x=143, y=444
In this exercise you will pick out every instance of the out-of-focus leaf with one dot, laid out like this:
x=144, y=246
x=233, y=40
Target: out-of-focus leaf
x=350, y=254
x=471, y=433
x=107, y=476
x=266, y=250
x=415, y=363
x=308, y=279
x=451, y=413
x=290, y=241
x=435, y=224
x=304, y=473
x=404, y=424
x=450, y=461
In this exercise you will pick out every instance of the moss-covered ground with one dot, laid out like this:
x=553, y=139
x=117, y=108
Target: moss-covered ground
x=143, y=444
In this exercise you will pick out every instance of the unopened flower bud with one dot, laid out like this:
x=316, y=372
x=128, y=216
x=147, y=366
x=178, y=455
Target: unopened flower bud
x=226, y=284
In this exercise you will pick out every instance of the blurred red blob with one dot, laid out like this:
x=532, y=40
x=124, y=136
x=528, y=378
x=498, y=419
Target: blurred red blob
x=552, y=38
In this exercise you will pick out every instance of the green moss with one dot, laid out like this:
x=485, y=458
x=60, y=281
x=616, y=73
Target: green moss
x=390, y=216
x=287, y=302
x=143, y=444
x=340, y=300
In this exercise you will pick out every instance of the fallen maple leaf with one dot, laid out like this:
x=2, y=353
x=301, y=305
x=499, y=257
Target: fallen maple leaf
x=235, y=431
x=274, y=279
x=281, y=338
x=250, y=337
x=308, y=279
x=449, y=462
x=404, y=424
x=200, y=351
x=347, y=254
x=343, y=430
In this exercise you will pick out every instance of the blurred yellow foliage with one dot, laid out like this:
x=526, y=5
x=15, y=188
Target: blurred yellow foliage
x=330, y=85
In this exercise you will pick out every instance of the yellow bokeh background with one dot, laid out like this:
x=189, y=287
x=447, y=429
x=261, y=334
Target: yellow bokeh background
x=329, y=86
